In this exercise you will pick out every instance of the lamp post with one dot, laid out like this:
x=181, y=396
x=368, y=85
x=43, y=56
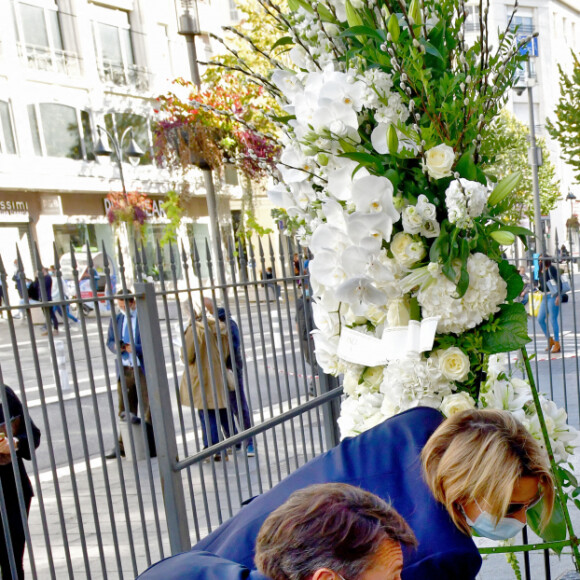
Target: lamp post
x=571, y=197
x=133, y=151
x=188, y=27
x=534, y=160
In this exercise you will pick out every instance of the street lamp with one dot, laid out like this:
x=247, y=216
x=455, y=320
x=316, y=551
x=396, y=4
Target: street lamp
x=534, y=158
x=571, y=197
x=133, y=151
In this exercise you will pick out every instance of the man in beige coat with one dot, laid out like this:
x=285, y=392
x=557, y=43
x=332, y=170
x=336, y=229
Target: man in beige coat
x=205, y=382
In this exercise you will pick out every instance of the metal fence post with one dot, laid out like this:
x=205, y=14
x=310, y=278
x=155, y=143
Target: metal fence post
x=330, y=411
x=164, y=429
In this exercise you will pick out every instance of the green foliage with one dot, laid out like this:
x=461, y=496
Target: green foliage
x=505, y=151
x=507, y=331
x=566, y=128
x=174, y=210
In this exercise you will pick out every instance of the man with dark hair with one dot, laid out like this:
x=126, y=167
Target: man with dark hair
x=333, y=531
x=128, y=316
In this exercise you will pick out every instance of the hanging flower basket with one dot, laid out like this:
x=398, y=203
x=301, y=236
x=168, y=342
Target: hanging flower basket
x=132, y=208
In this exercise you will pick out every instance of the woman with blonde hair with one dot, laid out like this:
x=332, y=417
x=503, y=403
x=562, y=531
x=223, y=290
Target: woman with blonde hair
x=487, y=470
x=476, y=471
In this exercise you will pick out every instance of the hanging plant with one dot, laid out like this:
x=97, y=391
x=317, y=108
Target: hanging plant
x=572, y=223
x=131, y=208
x=213, y=127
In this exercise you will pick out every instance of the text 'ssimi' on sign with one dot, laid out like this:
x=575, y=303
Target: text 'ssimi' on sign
x=13, y=207
x=155, y=210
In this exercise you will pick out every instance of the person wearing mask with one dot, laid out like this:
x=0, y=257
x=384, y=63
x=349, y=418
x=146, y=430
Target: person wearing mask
x=131, y=367
x=13, y=419
x=477, y=471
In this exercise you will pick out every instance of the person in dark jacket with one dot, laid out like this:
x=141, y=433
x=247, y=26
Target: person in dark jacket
x=441, y=510
x=128, y=315
x=241, y=411
x=14, y=420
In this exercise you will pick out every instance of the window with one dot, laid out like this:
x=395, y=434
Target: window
x=472, y=20
x=524, y=25
x=118, y=123
x=40, y=38
x=61, y=131
x=114, y=46
x=7, y=142
x=234, y=15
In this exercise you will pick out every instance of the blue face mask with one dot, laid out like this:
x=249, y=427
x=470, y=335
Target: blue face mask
x=505, y=529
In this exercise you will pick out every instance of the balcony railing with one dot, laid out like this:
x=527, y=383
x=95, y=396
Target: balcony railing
x=50, y=60
x=523, y=28
x=124, y=76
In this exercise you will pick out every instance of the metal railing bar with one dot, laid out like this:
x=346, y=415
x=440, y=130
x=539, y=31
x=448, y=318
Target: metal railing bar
x=83, y=435
x=262, y=427
x=274, y=355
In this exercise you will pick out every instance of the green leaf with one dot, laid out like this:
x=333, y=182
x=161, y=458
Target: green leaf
x=293, y=5
x=393, y=27
x=555, y=530
x=365, y=159
x=512, y=277
x=359, y=31
x=352, y=16
x=510, y=330
x=306, y=5
x=325, y=13
x=414, y=309
x=504, y=188
x=466, y=166
x=430, y=49
x=282, y=42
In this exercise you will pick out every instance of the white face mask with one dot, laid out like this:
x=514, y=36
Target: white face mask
x=505, y=529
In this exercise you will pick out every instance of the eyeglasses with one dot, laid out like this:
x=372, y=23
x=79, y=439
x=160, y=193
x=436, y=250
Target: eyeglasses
x=515, y=507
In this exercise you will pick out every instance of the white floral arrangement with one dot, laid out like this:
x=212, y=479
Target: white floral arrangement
x=386, y=107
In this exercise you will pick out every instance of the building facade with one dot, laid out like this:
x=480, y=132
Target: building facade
x=557, y=23
x=68, y=68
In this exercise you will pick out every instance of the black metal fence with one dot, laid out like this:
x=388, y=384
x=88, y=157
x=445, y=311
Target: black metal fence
x=99, y=517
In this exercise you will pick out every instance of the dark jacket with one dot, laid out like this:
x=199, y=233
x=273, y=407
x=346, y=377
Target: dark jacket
x=236, y=341
x=136, y=337
x=550, y=273
x=384, y=460
x=23, y=452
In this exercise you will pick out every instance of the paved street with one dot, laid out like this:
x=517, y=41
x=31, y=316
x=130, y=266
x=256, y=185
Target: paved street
x=127, y=494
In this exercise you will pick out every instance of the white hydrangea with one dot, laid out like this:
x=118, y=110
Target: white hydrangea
x=416, y=382
x=486, y=291
x=357, y=414
x=465, y=200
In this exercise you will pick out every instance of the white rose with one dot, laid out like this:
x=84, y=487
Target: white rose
x=373, y=377
x=350, y=380
x=406, y=250
x=453, y=363
x=439, y=161
x=412, y=220
x=456, y=403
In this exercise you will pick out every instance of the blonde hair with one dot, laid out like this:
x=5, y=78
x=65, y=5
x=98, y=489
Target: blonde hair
x=480, y=455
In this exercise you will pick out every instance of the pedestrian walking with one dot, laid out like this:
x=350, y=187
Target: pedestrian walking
x=206, y=387
x=128, y=316
x=550, y=284
x=56, y=297
x=13, y=418
x=305, y=325
x=18, y=283
x=241, y=414
x=47, y=281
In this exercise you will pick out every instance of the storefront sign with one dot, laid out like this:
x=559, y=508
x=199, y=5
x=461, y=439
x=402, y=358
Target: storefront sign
x=50, y=205
x=13, y=207
x=155, y=210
